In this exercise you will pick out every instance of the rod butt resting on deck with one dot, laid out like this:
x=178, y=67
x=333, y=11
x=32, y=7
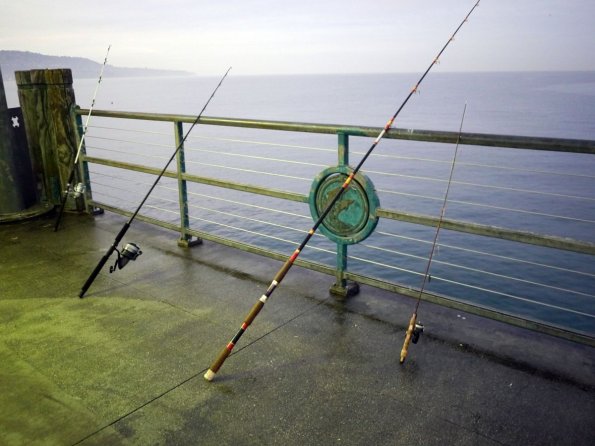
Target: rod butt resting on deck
x=219, y=362
x=229, y=347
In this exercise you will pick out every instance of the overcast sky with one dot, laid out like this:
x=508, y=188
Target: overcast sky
x=307, y=36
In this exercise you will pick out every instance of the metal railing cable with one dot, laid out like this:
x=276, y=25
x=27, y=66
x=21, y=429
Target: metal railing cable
x=373, y=247
x=131, y=141
x=196, y=194
x=257, y=157
x=252, y=219
x=121, y=129
x=408, y=194
x=128, y=154
x=250, y=142
x=376, y=172
x=237, y=203
x=477, y=270
x=254, y=206
x=475, y=287
x=397, y=157
x=268, y=236
x=515, y=297
x=489, y=206
x=258, y=172
x=488, y=254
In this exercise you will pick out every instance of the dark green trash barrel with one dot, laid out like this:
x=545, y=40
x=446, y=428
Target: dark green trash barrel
x=19, y=196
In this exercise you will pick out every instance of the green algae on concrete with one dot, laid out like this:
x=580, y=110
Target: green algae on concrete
x=71, y=366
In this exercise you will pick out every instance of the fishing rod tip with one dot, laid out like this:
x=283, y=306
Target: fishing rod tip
x=209, y=375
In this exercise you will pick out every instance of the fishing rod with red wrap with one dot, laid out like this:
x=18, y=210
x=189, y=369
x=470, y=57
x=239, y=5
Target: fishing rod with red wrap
x=210, y=374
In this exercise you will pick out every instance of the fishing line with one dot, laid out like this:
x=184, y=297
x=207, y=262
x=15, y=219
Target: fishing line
x=131, y=251
x=290, y=261
x=79, y=189
x=415, y=328
x=190, y=378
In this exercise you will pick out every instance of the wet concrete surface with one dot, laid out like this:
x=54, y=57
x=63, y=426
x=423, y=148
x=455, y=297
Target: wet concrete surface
x=124, y=365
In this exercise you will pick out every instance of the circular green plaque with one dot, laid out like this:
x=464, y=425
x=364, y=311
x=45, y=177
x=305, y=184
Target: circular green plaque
x=353, y=216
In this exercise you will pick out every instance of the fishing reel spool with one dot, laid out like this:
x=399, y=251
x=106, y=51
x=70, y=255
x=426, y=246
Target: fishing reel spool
x=417, y=331
x=130, y=252
x=77, y=191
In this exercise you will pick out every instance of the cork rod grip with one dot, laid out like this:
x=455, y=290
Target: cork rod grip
x=408, y=337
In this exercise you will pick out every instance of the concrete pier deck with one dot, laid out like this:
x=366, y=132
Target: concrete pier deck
x=125, y=365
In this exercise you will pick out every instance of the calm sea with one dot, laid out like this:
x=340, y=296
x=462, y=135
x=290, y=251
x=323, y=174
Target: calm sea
x=544, y=192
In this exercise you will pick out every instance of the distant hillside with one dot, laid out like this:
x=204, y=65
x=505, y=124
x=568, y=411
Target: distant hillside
x=11, y=61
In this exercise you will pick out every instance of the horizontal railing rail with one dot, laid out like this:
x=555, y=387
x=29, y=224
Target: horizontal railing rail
x=341, y=272
x=476, y=139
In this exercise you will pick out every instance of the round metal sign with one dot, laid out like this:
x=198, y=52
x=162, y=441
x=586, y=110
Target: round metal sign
x=352, y=218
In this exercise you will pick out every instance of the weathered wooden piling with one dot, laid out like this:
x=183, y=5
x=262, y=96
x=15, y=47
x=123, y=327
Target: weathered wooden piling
x=47, y=100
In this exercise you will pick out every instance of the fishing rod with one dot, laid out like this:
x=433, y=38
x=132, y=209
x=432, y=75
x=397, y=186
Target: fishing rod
x=79, y=189
x=211, y=372
x=415, y=328
x=131, y=251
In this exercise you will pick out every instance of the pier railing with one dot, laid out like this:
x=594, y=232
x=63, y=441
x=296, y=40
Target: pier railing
x=247, y=184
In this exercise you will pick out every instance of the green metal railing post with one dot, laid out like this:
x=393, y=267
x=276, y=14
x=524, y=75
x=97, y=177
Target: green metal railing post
x=342, y=288
x=185, y=240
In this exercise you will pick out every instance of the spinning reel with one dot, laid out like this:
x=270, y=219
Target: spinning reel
x=130, y=252
x=77, y=191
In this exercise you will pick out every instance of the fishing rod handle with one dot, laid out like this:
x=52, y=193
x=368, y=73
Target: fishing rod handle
x=61, y=211
x=285, y=268
x=210, y=374
x=408, y=338
x=104, y=260
x=63, y=203
x=96, y=271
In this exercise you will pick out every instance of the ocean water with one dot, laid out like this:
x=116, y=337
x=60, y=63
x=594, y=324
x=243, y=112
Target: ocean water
x=544, y=192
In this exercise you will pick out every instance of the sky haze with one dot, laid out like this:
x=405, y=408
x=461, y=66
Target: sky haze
x=309, y=36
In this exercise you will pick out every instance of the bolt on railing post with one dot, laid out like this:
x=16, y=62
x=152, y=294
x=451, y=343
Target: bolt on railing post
x=185, y=238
